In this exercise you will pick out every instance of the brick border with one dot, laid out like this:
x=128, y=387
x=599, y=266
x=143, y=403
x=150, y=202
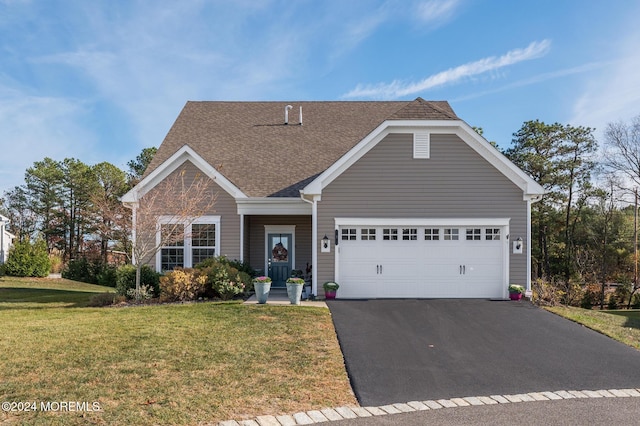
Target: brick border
x=341, y=413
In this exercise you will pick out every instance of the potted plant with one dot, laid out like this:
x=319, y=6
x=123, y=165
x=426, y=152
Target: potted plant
x=515, y=291
x=262, y=286
x=330, y=288
x=294, y=289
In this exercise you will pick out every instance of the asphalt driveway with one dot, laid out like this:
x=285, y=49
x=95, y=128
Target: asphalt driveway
x=406, y=350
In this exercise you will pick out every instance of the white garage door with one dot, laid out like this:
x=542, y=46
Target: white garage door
x=422, y=261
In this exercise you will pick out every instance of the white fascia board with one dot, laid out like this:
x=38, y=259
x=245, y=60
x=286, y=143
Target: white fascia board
x=172, y=164
x=373, y=221
x=531, y=189
x=273, y=206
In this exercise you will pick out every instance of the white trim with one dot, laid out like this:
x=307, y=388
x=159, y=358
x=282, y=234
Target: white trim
x=459, y=128
x=528, y=291
x=172, y=164
x=279, y=229
x=314, y=245
x=502, y=223
x=188, y=255
x=273, y=206
x=241, y=238
x=347, y=221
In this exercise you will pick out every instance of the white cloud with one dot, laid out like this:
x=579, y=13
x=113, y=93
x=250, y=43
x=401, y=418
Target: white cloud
x=613, y=94
x=398, y=89
x=437, y=12
x=33, y=127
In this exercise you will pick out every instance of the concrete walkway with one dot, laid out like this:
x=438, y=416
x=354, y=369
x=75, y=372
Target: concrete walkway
x=278, y=296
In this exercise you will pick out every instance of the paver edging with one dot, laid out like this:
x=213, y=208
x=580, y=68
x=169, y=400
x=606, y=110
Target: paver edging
x=342, y=413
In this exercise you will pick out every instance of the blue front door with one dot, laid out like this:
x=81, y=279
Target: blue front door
x=279, y=258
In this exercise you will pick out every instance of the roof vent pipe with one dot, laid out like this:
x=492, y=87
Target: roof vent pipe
x=286, y=113
x=301, y=116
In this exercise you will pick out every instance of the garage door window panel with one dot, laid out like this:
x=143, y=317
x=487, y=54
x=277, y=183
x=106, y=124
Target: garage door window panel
x=432, y=234
x=349, y=234
x=492, y=233
x=409, y=234
x=390, y=234
x=368, y=234
x=474, y=234
x=451, y=234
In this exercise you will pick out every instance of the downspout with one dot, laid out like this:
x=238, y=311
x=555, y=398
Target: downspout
x=528, y=292
x=3, y=224
x=314, y=243
x=242, y=238
x=133, y=207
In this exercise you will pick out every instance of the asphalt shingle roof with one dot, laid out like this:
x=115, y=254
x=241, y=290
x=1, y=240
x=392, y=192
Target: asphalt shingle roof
x=249, y=143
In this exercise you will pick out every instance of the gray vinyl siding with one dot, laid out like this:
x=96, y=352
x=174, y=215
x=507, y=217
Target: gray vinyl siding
x=455, y=182
x=256, y=234
x=225, y=207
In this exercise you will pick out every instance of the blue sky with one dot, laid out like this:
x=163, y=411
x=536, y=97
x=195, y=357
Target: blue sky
x=100, y=80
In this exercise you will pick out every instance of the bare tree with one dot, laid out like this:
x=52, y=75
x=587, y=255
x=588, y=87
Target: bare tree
x=622, y=148
x=622, y=155
x=179, y=200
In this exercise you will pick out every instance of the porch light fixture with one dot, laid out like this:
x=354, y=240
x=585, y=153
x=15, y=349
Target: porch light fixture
x=325, y=248
x=517, y=246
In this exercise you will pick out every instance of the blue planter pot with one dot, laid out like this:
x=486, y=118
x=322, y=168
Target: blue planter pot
x=294, y=291
x=262, y=291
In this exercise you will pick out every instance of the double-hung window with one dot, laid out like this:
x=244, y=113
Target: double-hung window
x=184, y=245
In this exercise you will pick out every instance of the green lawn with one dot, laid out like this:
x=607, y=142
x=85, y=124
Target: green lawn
x=19, y=293
x=623, y=326
x=163, y=364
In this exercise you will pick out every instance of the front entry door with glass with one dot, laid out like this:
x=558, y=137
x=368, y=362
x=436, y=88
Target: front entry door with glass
x=279, y=258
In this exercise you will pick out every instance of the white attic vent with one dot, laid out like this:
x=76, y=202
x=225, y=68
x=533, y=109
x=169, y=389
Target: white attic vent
x=421, y=145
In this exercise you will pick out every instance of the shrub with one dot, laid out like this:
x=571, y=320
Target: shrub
x=182, y=284
x=613, y=302
x=78, y=270
x=146, y=293
x=240, y=266
x=102, y=299
x=126, y=279
x=635, y=302
x=28, y=260
x=226, y=284
x=3, y=270
x=56, y=263
x=108, y=276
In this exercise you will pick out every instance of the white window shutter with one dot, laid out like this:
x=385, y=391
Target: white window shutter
x=421, y=145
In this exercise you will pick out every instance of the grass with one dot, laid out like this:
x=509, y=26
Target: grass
x=37, y=293
x=623, y=326
x=163, y=364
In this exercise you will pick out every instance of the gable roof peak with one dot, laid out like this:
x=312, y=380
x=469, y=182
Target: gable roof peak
x=419, y=109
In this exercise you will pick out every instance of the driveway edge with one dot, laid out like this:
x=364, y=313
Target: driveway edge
x=343, y=413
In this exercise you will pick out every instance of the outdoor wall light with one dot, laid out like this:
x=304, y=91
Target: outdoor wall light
x=517, y=245
x=325, y=248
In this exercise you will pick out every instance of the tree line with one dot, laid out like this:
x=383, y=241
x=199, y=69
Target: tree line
x=73, y=207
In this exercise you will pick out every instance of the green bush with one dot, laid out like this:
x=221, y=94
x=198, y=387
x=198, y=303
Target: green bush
x=78, y=270
x=182, y=284
x=3, y=270
x=240, y=266
x=107, y=276
x=225, y=280
x=93, y=272
x=28, y=260
x=104, y=299
x=126, y=279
